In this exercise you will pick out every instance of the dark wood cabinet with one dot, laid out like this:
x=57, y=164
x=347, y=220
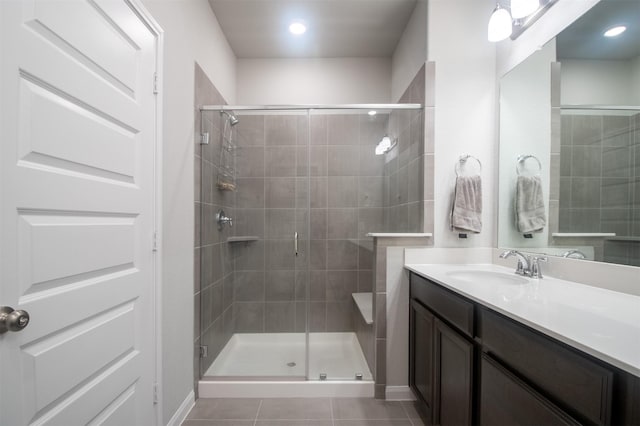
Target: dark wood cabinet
x=441, y=354
x=472, y=365
x=506, y=400
x=421, y=352
x=453, y=377
x=580, y=385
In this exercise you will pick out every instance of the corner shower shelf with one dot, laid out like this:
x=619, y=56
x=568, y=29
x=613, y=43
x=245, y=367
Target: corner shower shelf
x=243, y=239
x=364, y=302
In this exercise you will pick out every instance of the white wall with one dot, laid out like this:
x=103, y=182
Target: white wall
x=589, y=82
x=313, y=81
x=191, y=34
x=411, y=52
x=465, y=104
x=557, y=18
x=525, y=128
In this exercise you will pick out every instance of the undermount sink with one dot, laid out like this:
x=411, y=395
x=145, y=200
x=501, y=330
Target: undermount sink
x=489, y=277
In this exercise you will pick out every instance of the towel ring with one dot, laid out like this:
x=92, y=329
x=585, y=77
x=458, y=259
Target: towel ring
x=522, y=159
x=463, y=160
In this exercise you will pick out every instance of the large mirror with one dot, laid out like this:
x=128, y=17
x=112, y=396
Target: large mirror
x=570, y=142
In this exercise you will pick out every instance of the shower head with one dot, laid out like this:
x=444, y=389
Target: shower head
x=233, y=120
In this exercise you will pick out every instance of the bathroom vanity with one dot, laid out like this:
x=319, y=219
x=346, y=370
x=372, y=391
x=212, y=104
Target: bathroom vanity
x=492, y=348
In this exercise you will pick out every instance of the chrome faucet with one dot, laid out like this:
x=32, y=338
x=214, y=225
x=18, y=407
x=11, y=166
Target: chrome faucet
x=527, y=266
x=523, y=261
x=574, y=254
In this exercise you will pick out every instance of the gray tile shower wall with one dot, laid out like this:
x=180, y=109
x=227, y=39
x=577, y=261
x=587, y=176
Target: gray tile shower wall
x=408, y=200
x=408, y=170
x=264, y=294
x=213, y=273
x=600, y=180
x=344, y=189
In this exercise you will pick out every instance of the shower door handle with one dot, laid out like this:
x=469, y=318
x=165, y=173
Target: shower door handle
x=295, y=243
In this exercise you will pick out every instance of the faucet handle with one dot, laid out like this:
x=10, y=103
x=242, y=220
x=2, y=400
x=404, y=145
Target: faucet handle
x=536, y=272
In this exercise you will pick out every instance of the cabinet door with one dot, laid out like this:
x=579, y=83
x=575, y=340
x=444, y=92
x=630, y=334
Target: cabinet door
x=453, y=377
x=565, y=376
x=505, y=400
x=421, y=356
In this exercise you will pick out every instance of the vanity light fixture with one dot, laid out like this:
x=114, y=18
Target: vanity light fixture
x=297, y=28
x=615, y=31
x=520, y=16
x=385, y=145
x=500, y=26
x=523, y=8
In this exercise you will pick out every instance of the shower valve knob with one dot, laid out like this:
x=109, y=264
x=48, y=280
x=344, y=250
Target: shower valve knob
x=223, y=220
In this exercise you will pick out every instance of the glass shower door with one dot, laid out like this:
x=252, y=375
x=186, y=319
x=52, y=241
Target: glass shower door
x=346, y=202
x=254, y=287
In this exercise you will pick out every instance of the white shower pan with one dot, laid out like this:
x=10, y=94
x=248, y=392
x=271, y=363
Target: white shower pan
x=261, y=365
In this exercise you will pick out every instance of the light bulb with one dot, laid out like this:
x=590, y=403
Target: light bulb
x=297, y=28
x=615, y=31
x=499, y=24
x=523, y=8
x=383, y=146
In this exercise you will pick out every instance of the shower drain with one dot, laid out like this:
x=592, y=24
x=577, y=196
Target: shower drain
x=291, y=364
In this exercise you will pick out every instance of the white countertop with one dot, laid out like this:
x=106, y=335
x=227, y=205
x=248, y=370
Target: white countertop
x=600, y=322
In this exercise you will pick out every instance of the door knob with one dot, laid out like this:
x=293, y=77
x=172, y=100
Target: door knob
x=11, y=320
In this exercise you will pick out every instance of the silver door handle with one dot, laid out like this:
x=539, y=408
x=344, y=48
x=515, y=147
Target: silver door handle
x=11, y=320
x=295, y=243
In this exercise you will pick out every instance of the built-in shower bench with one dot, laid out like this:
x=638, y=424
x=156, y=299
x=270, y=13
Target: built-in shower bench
x=364, y=302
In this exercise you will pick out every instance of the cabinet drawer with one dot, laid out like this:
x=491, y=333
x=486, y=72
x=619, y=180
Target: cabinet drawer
x=505, y=400
x=576, y=383
x=449, y=306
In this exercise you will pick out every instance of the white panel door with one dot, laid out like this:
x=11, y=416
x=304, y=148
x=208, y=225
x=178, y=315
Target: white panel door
x=77, y=155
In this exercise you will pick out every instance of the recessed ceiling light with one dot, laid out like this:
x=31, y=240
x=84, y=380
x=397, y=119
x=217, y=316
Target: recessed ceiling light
x=615, y=31
x=297, y=28
x=372, y=113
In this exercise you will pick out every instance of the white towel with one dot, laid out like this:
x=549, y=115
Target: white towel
x=466, y=213
x=530, y=215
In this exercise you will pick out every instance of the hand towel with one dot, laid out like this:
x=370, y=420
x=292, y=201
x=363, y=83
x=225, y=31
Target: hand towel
x=530, y=215
x=466, y=213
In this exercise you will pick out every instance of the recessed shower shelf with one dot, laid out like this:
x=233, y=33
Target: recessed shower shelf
x=243, y=239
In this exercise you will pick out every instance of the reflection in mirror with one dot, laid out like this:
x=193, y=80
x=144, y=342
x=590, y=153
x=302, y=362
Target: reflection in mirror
x=575, y=106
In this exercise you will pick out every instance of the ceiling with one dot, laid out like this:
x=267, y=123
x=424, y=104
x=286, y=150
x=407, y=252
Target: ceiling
x=336, y=28
x=583, y=39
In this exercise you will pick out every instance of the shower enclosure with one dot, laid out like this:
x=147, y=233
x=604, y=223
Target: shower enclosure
x=287, y=197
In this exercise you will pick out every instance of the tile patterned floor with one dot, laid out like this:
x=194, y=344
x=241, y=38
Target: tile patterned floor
x=302, y=412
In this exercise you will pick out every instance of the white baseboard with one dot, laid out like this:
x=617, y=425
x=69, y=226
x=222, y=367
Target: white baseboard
x=182, y=411
x=399, y=393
